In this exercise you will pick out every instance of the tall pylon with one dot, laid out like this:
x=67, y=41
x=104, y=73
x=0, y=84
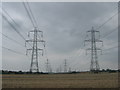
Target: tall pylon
x=94, y=58
x=34, y=67
x=65, y=66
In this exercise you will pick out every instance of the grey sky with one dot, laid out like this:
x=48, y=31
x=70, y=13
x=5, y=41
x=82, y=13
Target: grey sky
x=64, y=26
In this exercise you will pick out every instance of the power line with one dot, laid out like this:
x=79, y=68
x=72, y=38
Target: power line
x=76, y=64
x=12, y=40
x=14, y=28
x=10, y=16
x=75, y=55
x=78, y=54
x=13, y=25
x=104, y=24
x=109, y=18
x=13, y=51
x=82, y=43
x=110, y=32
x=100, y=55
x=32, y=14
x=28, y=14
x=107, y=21
x=16, y=52
x=111, y=48
x=34, y=60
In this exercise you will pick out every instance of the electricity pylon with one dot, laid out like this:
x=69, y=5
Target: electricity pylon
x=69, y=69
x=65, y=66
x=94, y=58
x=48, y=67
x=34, y=57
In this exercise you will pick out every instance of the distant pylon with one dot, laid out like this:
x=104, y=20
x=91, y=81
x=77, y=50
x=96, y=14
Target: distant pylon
x=65, y=66
x=60, y=69
x=69, y=69
x=94, y=58
x=47, y=66
x=34, y=57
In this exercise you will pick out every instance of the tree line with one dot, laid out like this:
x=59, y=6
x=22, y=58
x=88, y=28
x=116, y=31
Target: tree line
x=23, y=72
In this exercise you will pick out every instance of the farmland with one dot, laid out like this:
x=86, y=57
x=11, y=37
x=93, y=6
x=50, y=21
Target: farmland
x=81, y=80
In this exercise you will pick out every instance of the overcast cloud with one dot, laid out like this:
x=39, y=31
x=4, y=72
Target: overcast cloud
x=64, y=26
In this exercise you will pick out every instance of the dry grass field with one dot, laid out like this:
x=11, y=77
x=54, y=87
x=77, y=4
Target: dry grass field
x=82, y=80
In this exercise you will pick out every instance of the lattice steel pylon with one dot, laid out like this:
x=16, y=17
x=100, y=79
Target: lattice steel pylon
x=48, y=67
x=65, y=66
x=94, y=58
x=34, y=67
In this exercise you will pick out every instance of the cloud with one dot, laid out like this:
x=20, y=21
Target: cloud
x=64, y=26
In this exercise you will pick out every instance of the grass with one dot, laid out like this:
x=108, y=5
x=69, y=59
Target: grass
x=82, y=80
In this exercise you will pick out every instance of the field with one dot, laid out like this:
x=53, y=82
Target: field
x=82, y=80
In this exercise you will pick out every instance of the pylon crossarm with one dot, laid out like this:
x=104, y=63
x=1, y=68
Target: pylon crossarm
x=35, y=40
x=40, y=41
x=97, y=40
x=96, y=31
x=88, y=40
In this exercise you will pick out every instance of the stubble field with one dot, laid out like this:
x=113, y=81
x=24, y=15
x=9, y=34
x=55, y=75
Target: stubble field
x=81, y=80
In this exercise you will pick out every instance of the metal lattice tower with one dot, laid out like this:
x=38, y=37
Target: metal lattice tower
x=65, y=66
x=34, y=67
x=69, y=69
x=94, y=58
x=48, y=67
